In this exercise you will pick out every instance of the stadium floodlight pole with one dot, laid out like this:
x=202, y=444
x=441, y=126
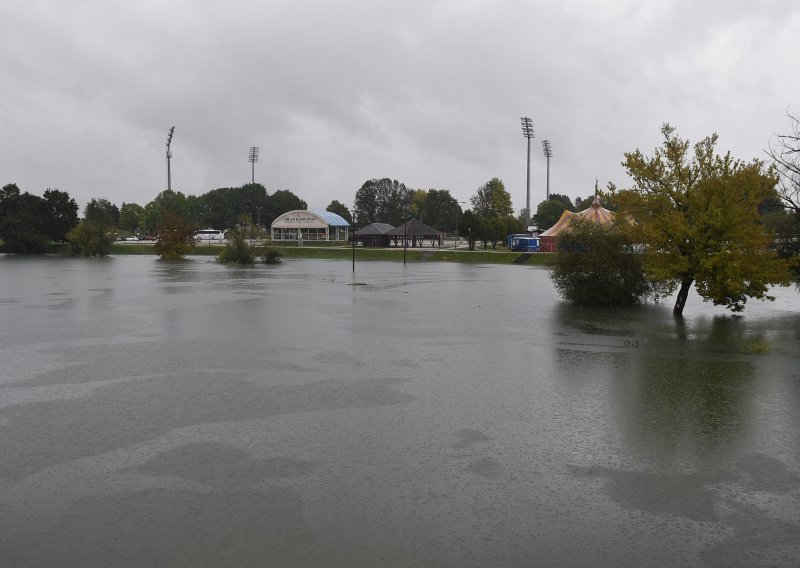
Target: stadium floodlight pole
x=169, y=156
x=527, y=132
x=252, y=157
x=548, y=152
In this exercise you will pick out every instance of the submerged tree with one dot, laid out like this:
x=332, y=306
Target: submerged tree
x=599, y=264
x=175, y=236
x=697, y=214
x=242, y=248
x=94, y=234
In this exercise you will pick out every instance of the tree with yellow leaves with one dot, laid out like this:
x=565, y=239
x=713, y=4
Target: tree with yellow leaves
x=696, y=213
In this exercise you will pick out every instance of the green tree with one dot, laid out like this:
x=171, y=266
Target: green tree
x=62, y=214
x=383, y=201
x=492, y=200
x=175, y=236
x=697, y=214
x=279, y=203
x=471, y=227
x=340, y=209
x=417, y=203
x=102, y=212
x=168, y=200
x=130, y=217
x=440, y=210
x=94, y=234
x=253, y=202
x=495, y=230
x=222, y=208
x=23, y=221
x=599, y=265
x=217, y=208
x=549, y=211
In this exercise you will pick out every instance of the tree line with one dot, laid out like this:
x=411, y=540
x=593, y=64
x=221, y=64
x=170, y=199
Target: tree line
x=29, y=223
x=489, y=220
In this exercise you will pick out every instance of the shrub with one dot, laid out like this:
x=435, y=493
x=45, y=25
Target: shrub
x=240, y=248
x=90, y=238
x=599, y=265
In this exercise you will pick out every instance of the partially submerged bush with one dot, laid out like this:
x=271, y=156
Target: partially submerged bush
x=241, y=248
x=272, y=256
x=175, y=237
x=90, y=238
x=599, y=265
x=238, y=250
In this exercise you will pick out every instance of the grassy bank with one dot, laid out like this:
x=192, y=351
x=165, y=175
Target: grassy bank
x=367, y=254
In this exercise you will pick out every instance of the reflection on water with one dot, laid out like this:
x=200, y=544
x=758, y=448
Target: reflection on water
x=679, y=386
x=193, y=414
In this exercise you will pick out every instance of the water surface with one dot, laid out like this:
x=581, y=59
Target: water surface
x=190, y=414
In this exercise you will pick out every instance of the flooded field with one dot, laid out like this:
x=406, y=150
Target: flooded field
x=191, y=414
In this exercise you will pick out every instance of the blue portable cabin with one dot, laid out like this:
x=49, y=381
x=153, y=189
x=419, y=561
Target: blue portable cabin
x=523, y=242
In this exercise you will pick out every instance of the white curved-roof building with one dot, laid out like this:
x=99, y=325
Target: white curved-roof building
x=302, y=226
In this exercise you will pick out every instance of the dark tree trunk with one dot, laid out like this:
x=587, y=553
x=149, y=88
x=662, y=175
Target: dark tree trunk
x=680, y=301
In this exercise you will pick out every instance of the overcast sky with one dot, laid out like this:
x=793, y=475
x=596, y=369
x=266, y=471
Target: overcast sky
x=337, y=92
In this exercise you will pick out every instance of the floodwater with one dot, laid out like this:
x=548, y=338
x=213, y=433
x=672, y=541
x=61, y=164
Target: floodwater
x=191, y=414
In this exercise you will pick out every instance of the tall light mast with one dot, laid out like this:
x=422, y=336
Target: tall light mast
x=527, y=132
x=548, y=153
x=169, y=157
x=253, y=158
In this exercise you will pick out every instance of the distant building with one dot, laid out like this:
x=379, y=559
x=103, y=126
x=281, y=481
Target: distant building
x=373, y=235
x=310, y=226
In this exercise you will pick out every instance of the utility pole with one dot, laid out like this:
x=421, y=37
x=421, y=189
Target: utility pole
x=548, y=152
x=169, y=156
x=527, y=132
x=252, y=157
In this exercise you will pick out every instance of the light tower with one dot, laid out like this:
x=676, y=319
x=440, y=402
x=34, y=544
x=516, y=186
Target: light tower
x=548, y=152
x=169, y=157
x=253, y=158
x=527, y=132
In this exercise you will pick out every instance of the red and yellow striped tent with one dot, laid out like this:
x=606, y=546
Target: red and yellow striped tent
x=595, y=213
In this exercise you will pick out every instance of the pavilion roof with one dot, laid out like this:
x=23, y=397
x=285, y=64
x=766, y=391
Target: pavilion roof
x=374, y=229
x=414, y=228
